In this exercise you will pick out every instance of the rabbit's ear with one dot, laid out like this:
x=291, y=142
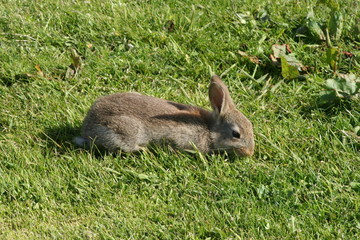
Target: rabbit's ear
x=219, y=95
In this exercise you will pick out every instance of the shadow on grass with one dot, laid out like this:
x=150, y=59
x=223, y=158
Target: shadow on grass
x=61, y=140
x=330, y=113
x=329, y=110
x=60, y=137
x=8, y=81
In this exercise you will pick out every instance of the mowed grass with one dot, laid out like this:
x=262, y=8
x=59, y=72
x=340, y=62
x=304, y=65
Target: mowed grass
x=302, y=183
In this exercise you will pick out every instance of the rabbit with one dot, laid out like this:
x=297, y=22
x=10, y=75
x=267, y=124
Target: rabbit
x=130, y=121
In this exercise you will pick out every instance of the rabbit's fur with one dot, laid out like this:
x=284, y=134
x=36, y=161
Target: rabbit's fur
x=131, y=121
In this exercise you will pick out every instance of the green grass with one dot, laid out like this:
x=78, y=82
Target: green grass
x=302, y=183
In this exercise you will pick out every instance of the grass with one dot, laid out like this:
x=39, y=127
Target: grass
x=302, y=183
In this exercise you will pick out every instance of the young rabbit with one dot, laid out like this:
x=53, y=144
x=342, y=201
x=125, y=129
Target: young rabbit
x=130, y=121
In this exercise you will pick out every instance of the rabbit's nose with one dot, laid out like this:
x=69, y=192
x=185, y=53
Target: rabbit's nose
x=245, y=152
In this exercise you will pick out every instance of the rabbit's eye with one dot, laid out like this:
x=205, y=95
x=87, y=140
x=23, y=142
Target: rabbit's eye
x=235, y=134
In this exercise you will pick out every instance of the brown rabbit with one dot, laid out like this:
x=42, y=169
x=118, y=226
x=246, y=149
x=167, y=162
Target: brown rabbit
x=131, y=121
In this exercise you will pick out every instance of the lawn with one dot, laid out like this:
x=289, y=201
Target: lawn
x=303, y=181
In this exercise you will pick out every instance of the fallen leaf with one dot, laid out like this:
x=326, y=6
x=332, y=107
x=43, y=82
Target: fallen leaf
x=348, y=54
x=75, y=66
x=39, y=71
x=291, y=67
x=252, y=58
x=76, y=59
x=289, y=71
x=346, y=85
x=291, y=59
x=278, y=50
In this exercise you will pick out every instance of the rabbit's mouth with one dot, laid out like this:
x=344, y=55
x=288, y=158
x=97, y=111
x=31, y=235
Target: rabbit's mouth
x=241, y=152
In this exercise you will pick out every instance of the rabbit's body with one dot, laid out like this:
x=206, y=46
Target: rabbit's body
x=131, y=121
x=114, y=124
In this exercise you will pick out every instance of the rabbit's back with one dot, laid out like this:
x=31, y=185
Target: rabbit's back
x=147, y=108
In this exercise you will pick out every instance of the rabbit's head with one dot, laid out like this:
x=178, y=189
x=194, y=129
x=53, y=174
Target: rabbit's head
x=231, y=129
